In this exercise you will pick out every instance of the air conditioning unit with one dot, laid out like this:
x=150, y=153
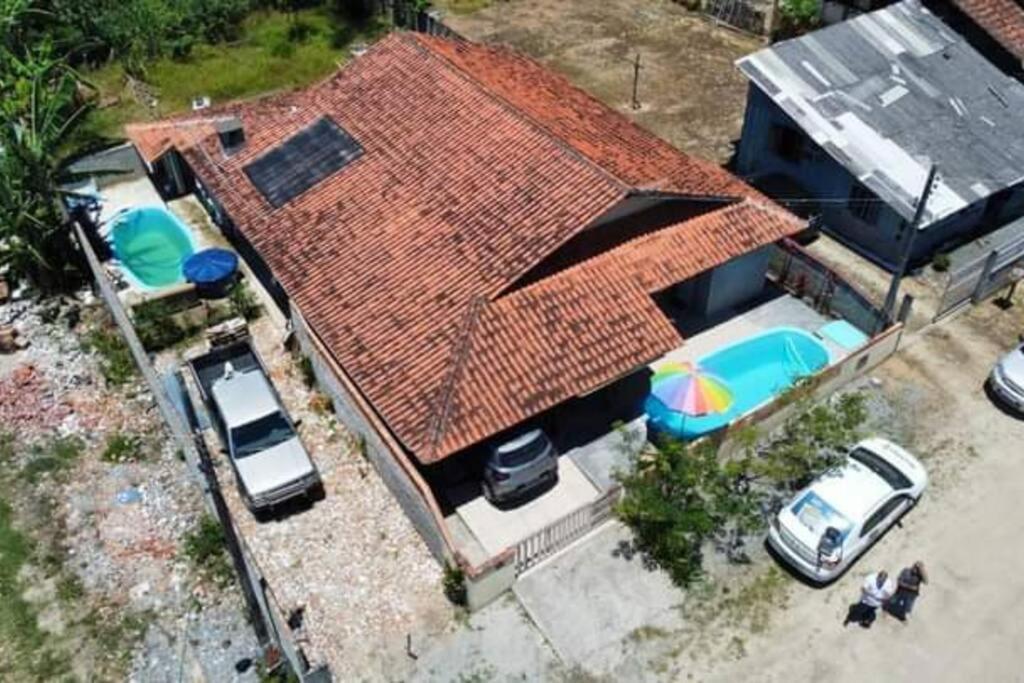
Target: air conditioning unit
x=201, y=102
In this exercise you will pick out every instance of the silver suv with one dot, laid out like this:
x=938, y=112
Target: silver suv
x=518, y=465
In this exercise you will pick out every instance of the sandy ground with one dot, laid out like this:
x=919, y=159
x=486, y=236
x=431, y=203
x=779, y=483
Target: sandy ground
x=690, y=92
x=585, y=615
x=967, y=622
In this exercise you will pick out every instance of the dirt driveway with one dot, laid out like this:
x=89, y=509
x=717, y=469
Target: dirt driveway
x=690, y=92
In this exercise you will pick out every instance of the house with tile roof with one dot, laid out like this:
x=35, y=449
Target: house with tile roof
x=474, y=244
x=845, y=123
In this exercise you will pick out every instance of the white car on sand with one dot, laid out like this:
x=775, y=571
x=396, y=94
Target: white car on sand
x=834, y=520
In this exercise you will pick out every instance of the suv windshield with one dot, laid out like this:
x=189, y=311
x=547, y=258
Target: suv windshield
x=892, y=476
x=524, y=454
x=261, y=434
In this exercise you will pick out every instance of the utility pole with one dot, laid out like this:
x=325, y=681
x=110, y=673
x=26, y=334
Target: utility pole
x=915, y=226
x=636, y=81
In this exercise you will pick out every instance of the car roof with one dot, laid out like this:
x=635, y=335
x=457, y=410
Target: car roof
x=244, y=397
x=852, y=489
x=518, y=441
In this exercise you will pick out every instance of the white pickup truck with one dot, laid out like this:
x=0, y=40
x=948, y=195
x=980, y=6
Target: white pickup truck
x=270, y=463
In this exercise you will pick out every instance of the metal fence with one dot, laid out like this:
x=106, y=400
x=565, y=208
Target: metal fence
x=808, y=279
x=976, y=275
x=265, y=611
x=741, y=14
x=560, y=533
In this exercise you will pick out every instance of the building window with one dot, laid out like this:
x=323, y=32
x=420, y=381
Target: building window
x=864, y=204
x=788, y=143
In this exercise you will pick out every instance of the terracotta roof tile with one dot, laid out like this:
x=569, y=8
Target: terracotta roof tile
x=586, y=326
x=463, y=186
x=1001, y=19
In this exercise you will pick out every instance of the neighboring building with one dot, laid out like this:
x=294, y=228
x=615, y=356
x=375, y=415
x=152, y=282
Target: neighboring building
x=994, y=27
x=846, y=121
x=472, y=238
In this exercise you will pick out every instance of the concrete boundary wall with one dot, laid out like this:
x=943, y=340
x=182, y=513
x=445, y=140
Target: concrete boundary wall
x=392, y=464
x=828, y=381
x=268, y=620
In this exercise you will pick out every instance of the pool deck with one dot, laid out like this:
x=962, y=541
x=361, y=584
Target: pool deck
x=782, y=311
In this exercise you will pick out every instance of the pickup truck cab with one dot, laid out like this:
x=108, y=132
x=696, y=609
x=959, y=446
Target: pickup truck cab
x=270, y=463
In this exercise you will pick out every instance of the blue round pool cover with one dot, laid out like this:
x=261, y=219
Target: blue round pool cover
x=210, y=266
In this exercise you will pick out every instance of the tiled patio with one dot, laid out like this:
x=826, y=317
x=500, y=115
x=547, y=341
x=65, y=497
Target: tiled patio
x=779, y=311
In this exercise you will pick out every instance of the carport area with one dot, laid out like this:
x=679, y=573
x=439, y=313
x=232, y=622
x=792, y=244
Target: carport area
x=485, y=530
x=596, y=435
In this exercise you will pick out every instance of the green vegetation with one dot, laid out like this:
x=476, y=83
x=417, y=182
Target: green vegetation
x=38, y=109
x=116, y=361
x=205, y=548
x=159, y=326
x=54, y=455
x=798, y=16
x=681, y=498
x=244, y=302
x=454, y=584
x=121, y=447
x=271, y=54
x=941, y=262
x=32, y=556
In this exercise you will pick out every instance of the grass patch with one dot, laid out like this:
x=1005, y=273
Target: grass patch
x=275, y=52
x=205, y=549
x=116, y=362
x=50, y=457
x=25, y=650
x=122, y=447
x=753, y=605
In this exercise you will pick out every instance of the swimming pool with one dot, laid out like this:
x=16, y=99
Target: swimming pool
x=152, y=244
x=755, y=370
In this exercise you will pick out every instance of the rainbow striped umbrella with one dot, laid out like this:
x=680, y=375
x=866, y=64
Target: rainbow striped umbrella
x=684, y=388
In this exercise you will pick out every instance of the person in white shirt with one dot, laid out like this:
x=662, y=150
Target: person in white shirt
x=875, y=592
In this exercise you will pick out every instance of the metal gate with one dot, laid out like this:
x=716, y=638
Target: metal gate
x=979, y=275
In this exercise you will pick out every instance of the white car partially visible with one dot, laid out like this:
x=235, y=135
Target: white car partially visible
x=843, y=512
x=1007, y=379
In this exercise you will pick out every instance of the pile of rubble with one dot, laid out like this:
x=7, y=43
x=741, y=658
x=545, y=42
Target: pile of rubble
x=121, y=525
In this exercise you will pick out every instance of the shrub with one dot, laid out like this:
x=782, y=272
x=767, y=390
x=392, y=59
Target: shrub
x=244, y=301
x=116, y=362
x=941, y=262
x=798, y=16
x=680, y=498
x=157, y=327
x=454, y=584
x=300, y=30
x=676, y=499
x=122, y=448
x=205, y=548
x=306, y=370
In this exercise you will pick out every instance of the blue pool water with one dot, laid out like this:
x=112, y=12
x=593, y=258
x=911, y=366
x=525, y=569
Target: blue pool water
x=152, y=245
x=755, y=370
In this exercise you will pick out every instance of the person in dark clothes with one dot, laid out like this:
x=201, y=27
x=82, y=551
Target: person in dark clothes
x=908, y=588
x=875, y=592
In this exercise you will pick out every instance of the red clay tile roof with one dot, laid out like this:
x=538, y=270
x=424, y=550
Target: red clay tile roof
x=590, y=324
x=1001, y=19
x=468, y=179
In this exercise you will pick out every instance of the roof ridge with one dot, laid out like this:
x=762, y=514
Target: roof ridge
x=459, y=355
x=505, y=103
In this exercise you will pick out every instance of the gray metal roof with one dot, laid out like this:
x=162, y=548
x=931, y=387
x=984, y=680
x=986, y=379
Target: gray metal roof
x=893, y=91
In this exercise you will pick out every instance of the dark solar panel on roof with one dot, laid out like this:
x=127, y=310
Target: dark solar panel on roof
x=302, y=161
